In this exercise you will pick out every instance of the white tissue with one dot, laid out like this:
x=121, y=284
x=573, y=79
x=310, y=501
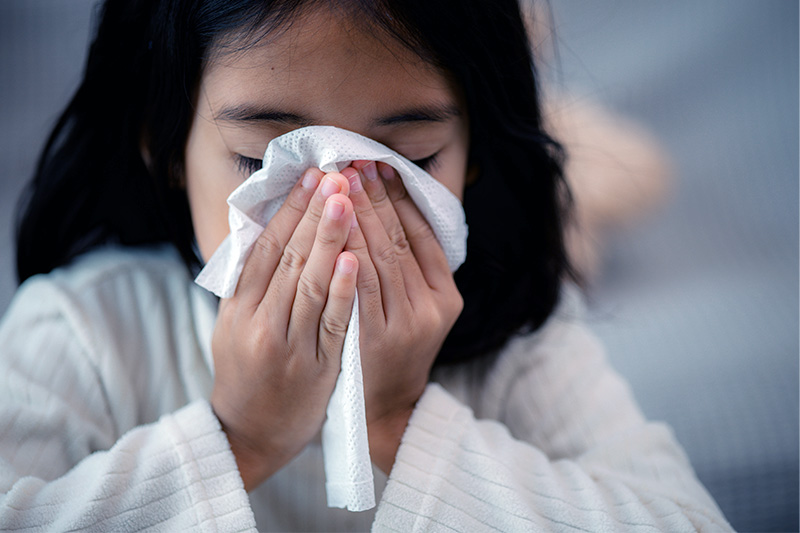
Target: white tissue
x=348, y=470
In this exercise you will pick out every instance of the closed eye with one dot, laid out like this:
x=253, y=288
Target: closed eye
x=248, y=165
x=427, y=162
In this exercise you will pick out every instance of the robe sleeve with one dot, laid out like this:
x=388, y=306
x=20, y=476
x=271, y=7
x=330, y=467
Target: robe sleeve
x=567, y=450
x=64, y=465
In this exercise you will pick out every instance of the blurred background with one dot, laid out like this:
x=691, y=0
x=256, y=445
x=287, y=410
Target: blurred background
x=683, y=117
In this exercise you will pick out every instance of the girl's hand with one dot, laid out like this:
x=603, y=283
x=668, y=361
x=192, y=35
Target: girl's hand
x=408, y=301
x=278, y=340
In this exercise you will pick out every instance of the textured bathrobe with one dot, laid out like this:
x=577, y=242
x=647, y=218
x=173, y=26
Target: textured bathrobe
x=105, y=425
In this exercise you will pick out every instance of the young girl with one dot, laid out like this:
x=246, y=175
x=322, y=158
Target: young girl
x=133, y=399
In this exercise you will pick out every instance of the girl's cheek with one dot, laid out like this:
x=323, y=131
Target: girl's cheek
x=211, y=176
x=207, y=189
x=452, y=173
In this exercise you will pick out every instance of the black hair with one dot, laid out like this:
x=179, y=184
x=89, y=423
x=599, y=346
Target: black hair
x=94, y=186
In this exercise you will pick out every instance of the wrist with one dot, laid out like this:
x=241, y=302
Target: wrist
x=255, y=465
x=385, y=436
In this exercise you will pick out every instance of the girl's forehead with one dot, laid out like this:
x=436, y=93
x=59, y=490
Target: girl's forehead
x=323, y=63
x=315, y=36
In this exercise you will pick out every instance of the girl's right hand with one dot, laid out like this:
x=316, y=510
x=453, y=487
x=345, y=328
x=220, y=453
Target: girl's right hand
x=278, y=341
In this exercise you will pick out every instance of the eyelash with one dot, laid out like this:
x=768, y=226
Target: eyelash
x=427, y=162
x=249, y=165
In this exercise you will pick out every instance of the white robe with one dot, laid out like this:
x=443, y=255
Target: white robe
x=105, y=425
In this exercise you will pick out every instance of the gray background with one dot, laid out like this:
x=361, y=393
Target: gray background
x=698, y=304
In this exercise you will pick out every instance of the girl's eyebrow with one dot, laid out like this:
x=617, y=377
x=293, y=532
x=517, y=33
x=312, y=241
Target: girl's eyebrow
x=252, y=114
x=255, y=114
x=435, y=113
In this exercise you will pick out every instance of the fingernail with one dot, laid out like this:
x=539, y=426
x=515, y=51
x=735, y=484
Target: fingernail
x=329, y=187
x=354, y=221
x=310, y=180
x=346, y=264
x=334, y=209
x=370, y=170
x=355, y=182
x=387, y=172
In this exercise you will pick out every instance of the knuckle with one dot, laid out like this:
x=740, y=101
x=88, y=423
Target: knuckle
x=400, y=242
x=370, y=285
x=292, y=259
x=267, y=244
x=258, y=339
x=332, y=327
x=228, y=321
x=386, y=254
x=454, y=307
x=311, y=289
x=429, y=318
x=458, y=303
x=423, y=233
x=451, y=303
x=356, y=242
x=329, y=239
x=379, y=196
x=254, y=344
x=398, y=193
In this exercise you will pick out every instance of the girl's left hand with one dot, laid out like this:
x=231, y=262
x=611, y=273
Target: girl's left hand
x=408, y=301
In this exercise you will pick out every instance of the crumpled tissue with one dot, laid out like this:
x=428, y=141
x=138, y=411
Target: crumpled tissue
x=348, y=470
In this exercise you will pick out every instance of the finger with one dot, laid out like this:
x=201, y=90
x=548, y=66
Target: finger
x=385, y=209
x=267, y=250
x=381, y=249
x=370, y=301
x=338, y=307
x=283, y=285
x=424, y=245
x=315, y=279
x=382, y=205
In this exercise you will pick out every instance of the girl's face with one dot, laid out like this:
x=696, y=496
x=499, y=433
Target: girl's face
x=322, y=70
